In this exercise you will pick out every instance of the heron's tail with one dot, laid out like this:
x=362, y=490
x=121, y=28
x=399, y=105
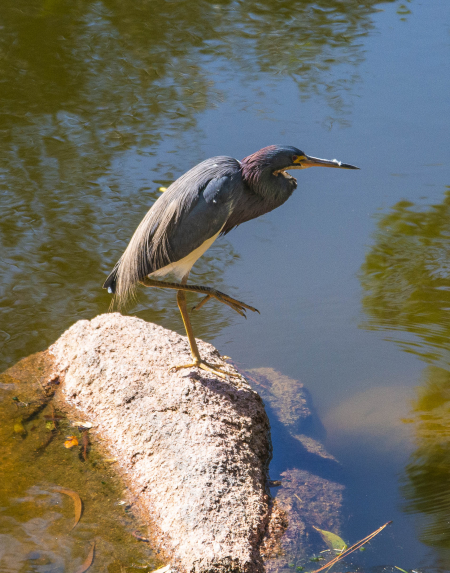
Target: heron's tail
x=121, y=281
x=147, y=251
x=111, y=281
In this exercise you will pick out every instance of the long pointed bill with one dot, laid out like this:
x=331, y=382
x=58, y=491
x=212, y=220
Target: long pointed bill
x=308, y=161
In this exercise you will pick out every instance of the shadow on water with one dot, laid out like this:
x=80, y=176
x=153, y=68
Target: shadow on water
x=295, y=426
x=83, y=84
x=291, y=453
x=406, y=281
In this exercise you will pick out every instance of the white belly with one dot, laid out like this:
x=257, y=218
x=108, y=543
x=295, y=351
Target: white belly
x=182, y=267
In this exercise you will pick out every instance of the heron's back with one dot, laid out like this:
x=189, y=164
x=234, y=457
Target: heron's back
x=189, y=213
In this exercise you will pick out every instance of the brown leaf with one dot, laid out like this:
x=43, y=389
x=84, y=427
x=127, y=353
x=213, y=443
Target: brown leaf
x=88, y=561
x=54, y=417
x=77, y=501
x=70, y=442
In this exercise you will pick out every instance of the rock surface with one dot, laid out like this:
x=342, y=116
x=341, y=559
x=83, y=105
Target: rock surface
x=193, y=448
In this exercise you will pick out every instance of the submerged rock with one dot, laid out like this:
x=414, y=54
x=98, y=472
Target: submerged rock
x=308, y=495
x=194, y=449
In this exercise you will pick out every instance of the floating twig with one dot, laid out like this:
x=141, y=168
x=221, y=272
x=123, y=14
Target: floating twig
x=43, y=446
x=85, y=444
x=353, y=548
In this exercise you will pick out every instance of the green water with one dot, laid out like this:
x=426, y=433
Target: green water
x=37, y=531
x=103, y=102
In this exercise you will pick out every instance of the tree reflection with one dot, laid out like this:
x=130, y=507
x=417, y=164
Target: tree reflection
x=85, y=85
x=425, y=484
x=406, y=279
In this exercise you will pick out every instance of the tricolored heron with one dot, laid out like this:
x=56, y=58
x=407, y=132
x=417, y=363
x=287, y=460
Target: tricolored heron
x=210, y=200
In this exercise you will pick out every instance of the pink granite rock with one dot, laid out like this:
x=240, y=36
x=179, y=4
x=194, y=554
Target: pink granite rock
x=192, y=448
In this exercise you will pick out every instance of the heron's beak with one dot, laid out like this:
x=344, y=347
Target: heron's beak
x=304, y=161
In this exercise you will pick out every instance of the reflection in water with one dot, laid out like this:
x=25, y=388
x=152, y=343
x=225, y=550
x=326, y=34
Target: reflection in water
x=406, y=278
x=85, y=85
x=426, y=481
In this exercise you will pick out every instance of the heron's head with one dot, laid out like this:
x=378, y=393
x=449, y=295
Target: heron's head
x=266, y=170
x=278, y=159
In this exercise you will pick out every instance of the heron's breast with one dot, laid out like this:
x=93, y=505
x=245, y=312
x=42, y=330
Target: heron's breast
x=183, y=266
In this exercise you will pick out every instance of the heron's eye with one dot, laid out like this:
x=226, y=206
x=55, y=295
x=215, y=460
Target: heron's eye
x=294, y=158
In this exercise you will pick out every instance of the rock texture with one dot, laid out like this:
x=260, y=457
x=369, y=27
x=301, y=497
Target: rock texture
x=193, y=448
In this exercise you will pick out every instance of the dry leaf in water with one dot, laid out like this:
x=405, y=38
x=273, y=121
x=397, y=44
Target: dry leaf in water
x=88, y=561
x=70, y=442
x=76, y=500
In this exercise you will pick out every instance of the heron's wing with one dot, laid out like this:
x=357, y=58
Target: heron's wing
x=191, y=211
x=206, y=217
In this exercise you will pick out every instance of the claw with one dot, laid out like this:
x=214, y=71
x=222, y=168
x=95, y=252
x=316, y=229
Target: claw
x=207, y=367
x=233, y=303
x=236, y=303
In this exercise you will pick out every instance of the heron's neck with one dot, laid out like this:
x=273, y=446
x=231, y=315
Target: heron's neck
x=274, y=189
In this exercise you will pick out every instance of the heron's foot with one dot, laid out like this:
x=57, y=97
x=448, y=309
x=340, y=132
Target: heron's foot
x=237, y=305
x=207, y=367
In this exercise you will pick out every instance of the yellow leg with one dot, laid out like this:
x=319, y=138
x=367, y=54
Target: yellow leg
x=198, y=362
x=181, y=300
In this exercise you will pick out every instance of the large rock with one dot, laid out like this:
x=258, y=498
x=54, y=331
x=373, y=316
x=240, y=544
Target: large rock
x=194, y=449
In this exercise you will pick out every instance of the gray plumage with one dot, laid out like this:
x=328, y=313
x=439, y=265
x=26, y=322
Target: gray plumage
x=193, y=209
x=213, y=197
